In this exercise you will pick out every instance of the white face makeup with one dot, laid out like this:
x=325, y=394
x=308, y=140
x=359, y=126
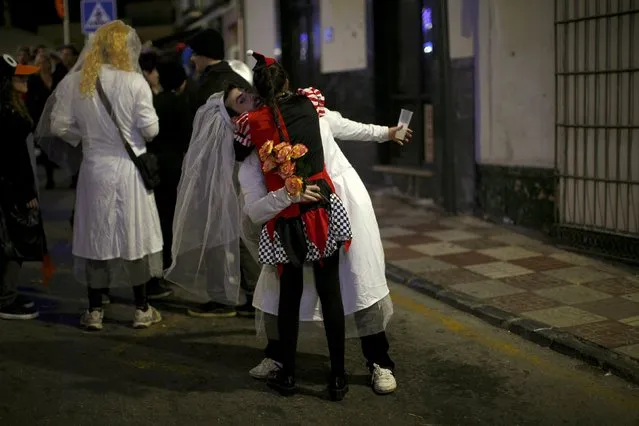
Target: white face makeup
x=240, y=101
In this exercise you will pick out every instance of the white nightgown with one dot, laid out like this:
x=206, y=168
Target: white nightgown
x=116, y=219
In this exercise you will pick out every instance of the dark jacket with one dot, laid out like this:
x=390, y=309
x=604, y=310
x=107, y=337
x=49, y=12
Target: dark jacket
x=16, y=171
x=216, y=78
x=37, y=96
x=175, y=113
x=59, y=73
x=21, y=232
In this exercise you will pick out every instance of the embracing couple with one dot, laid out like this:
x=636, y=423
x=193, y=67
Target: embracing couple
x=263, y=169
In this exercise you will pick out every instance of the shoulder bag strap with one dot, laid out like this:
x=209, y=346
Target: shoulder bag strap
x=109, y=109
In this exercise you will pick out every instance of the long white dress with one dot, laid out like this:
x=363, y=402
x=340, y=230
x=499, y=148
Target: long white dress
x=365, y=294
x=116, y=219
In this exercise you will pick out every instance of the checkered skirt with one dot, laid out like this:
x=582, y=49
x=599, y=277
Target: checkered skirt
x=271, y=250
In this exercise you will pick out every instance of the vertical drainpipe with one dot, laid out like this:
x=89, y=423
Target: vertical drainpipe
x=450, y=177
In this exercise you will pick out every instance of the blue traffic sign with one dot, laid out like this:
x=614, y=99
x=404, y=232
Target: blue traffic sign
x=96, y=13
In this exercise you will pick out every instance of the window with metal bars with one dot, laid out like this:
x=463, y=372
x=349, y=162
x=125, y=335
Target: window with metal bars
x=597, y=126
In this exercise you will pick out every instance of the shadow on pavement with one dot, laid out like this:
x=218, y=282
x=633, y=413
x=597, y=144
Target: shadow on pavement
x=179, y=361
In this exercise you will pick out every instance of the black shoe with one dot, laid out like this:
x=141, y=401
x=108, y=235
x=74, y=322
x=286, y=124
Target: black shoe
x=155, y=290
x=213, y=310
x=15, y=311
x=246, y=310
x=24, y=301
x=282, y=382
x=337, y=387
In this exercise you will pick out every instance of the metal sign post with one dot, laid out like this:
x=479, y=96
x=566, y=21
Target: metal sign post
x=66, y=23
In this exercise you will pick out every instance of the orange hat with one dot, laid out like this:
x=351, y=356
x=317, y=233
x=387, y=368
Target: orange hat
x=10, y=67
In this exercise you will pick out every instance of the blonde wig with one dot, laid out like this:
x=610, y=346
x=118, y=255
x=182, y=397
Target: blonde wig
x=110, y=46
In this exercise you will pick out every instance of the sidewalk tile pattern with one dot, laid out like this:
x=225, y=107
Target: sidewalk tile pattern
x=593, y=300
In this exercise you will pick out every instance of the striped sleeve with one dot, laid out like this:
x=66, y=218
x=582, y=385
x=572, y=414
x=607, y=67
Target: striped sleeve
x=316, y=97
x=242, y=130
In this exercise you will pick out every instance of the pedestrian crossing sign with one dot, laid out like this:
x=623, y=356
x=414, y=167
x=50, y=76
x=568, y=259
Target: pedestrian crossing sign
x=96, y=13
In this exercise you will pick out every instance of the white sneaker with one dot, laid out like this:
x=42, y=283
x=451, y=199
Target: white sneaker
x=92, y=320
x=265, y=368
x=383, y=380
x=146, y=319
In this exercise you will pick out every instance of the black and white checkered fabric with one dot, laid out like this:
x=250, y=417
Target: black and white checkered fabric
x=271, y=252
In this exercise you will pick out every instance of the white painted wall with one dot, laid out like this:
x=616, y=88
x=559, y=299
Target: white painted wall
x=344, y=44
x=515, y=66
x=260, y=26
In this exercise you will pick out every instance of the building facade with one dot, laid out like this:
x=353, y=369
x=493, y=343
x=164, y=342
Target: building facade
x=526, y=112
x=226, y=16
x=558, y=120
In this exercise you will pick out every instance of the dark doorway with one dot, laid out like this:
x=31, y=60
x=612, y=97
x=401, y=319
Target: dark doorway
x=412, y=61
x=299, y=50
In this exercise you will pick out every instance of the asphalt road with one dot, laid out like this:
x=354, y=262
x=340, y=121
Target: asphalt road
x=452, y=370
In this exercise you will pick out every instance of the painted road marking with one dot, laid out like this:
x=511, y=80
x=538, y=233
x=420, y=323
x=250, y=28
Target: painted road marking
x=457, y=327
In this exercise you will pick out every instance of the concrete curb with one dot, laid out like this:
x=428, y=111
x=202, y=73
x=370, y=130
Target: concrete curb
x=537, y=332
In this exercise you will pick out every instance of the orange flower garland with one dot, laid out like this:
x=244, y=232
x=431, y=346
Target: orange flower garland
x=281, y=159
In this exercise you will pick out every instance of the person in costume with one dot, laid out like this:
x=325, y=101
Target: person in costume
x=117, y=239
x=287, y=189
x=215, y=75
x=366, y=297
x=21, y=232
x=208, y=225
x=210, y=259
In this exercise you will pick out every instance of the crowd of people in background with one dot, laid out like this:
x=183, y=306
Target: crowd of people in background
x=53, y=64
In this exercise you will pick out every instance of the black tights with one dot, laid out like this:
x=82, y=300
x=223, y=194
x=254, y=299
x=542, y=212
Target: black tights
x=139, y=293
x=328, y=289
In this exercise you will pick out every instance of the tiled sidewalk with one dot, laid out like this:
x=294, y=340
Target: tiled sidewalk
x=588, y=298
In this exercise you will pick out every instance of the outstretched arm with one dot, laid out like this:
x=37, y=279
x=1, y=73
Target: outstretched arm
x=343, y=128
x=350, y=130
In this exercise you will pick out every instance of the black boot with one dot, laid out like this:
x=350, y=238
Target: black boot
x=247, y=309
x=337, y=386
x=282, y=382
x=156, y=290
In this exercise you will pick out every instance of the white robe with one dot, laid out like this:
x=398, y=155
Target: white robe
x=362, y=268
x=115, y=216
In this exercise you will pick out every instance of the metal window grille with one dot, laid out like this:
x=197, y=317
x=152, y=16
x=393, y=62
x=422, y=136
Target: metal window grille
x=597, y=126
